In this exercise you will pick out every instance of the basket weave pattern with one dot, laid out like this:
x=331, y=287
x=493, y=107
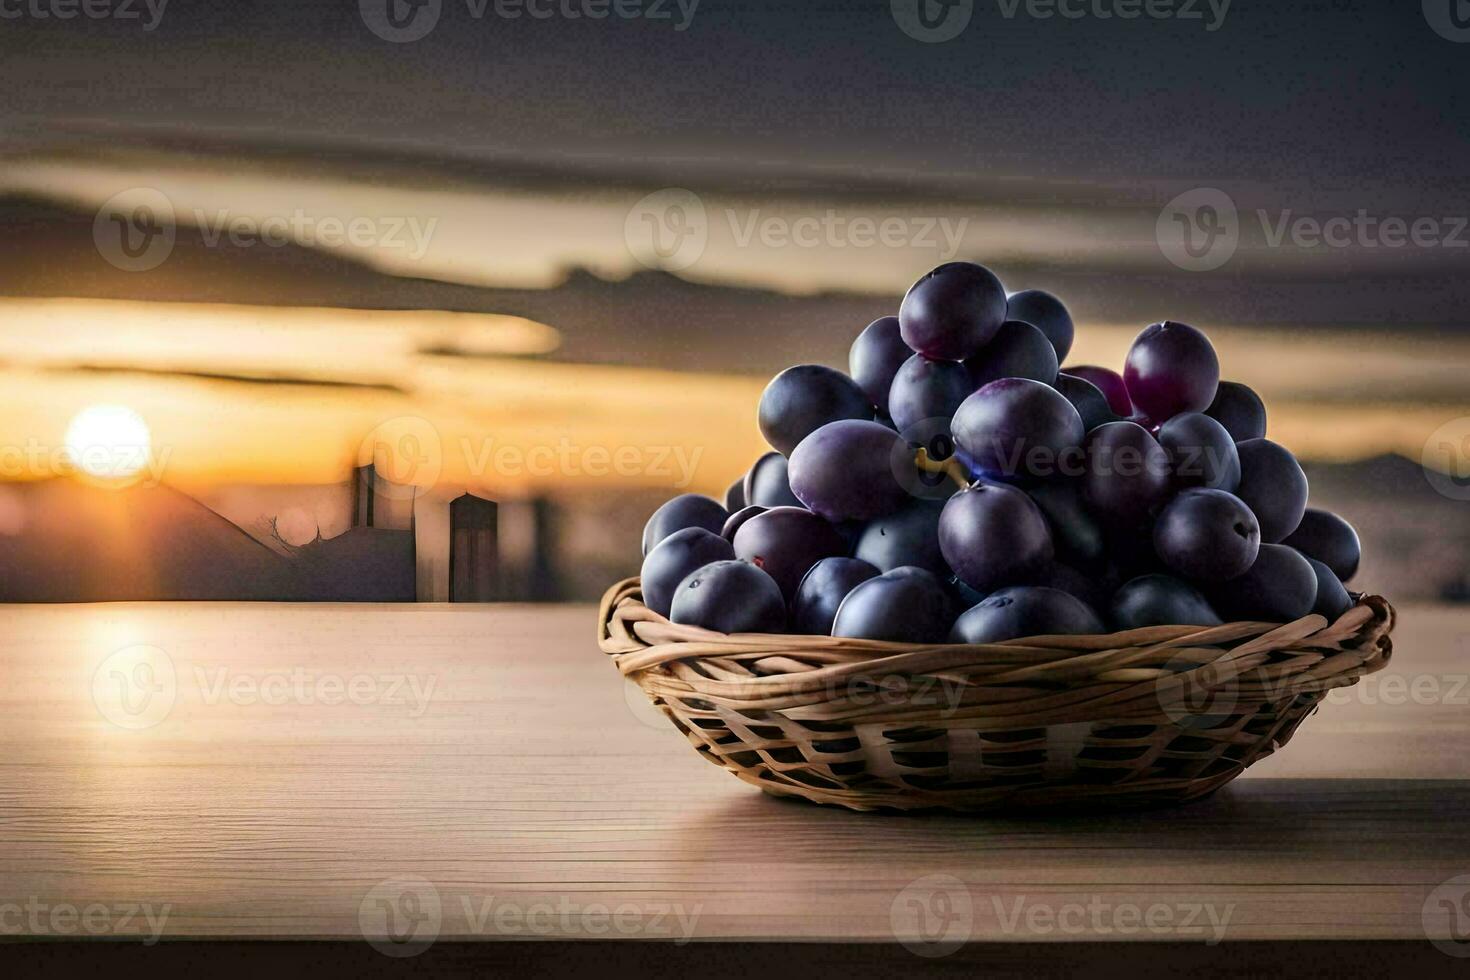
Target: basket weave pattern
x=1150, y=716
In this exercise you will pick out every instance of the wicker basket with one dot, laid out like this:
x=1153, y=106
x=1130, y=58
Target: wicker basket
x=1150, y=716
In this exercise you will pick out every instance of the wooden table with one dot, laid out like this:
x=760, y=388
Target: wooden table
x=456, y=772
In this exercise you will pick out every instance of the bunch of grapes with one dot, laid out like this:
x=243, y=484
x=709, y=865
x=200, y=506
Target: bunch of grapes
x=957, y=485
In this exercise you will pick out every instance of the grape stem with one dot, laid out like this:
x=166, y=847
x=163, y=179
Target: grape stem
x=950, y=467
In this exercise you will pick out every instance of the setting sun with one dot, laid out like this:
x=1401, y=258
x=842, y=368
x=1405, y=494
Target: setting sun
x=108, y=441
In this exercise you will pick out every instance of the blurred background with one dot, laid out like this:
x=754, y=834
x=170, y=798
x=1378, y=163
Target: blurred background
x=548, y=252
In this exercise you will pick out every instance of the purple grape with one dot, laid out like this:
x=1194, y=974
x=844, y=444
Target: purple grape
x=926, y=389
x=685, y=510
x=673, y=559
x=1332, y=599
x=1090, y=403
x=1091, y=589
x=1159, y=600
x=1109, y=382
x=1207, y=536
x=875, y=357
x=1046, y=313
x=729, y=597
x=1127, y=474
x=738, y=518
x=1017, y=427
x=1273, y=486
x=1329, y=539
x=1171, y=368
x=1075, y=534
x=844, y=471
x=1240, y=410
x=735, y=496
x=1201, y=452
x=766, y=485
x=1279, y=587
x=802, y=399
x=1018, y=350
x=953, y=311
x=785, y=542
x=822, y=590
x=1025, y=611
x=906, y=605
x=993, y=535
x=908, y=536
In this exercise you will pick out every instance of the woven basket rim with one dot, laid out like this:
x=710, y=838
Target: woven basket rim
x=1091, y=675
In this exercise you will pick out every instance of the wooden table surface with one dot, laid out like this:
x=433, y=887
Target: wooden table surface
x=240, y=770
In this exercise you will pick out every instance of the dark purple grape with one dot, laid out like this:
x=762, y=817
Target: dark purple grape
x=1279, y=587
x=685, y=510
x=906, y=605
x=875, y=357
x=844, y=471
x=1207, y=536
x=1016, y=427
x=1330, y=539
x=1171, y=368
x=1087, y=399
x=674, y=558
x=1018, y=350
x=1201, y=452
x=1077, y=537
x=926, y=389
x=1240, y=410
x=766, y=485
x=1024, y=611
x=1159, y=600
x=802, y=399
x=1109, y=382
x=1332, y=599
x=785, y=542
x=908, y=536
x=993, y=535
x=1273, y=486
x=735, y=496
x=1127, y=474
x=739, y=518
x=822, y=590
x=953, y=311
x=1046, y=313
x=1091, y=589
x=730, y=597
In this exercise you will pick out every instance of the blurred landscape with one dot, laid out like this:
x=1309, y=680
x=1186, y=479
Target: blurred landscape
x=527, y=338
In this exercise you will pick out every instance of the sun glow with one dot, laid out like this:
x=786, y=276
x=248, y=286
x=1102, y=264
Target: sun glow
x=108, y=441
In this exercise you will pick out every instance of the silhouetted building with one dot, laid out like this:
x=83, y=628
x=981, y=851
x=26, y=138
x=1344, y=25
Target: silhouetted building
x=473, y=549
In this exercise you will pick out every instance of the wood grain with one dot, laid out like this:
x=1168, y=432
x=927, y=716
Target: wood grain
x=532, y=795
